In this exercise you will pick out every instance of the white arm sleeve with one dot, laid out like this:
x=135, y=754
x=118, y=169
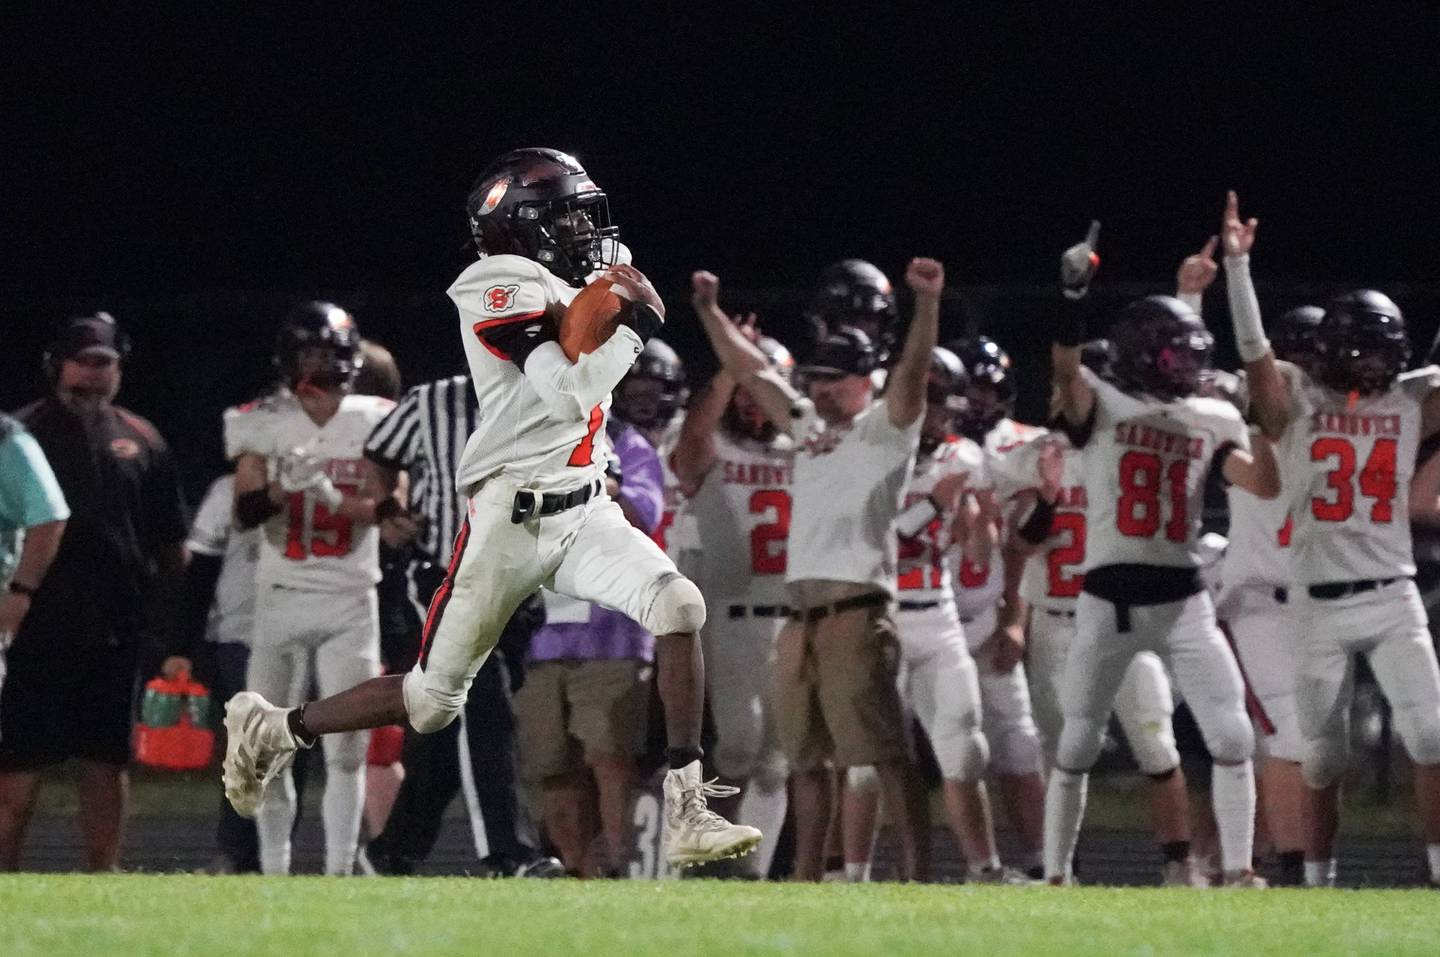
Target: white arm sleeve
x=915, y=517
x=1191, y=299
x=573, y=389
x=1245, y=310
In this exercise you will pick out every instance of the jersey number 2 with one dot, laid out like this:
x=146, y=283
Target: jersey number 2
x=767, y=541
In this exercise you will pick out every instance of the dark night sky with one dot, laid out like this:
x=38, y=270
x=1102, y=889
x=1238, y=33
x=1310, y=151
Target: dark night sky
x=152, y=152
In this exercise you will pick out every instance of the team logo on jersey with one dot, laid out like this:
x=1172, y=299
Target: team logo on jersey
x=497, y=193
x=500, y=298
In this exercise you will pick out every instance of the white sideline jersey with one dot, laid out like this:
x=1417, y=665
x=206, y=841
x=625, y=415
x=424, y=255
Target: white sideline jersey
x=926, y=575
x=214, y=533
x=305, y=546
x=1353, y=461
x=1261, y=530
x=676, y=532
x=1053, y=576
x=1145, y=467
x=979, y=587
x=741, y=514
x=537, y=428
x=849, y=483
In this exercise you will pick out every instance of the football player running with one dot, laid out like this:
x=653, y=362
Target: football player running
x=300, y=473
x=1149, y=442
x=1349, y=432
x=537, y=508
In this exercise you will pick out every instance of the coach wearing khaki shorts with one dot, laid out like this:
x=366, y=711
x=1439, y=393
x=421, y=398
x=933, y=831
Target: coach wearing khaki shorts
x=837, y=658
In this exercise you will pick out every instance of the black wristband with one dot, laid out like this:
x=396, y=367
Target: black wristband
x=254, y=507
x=1037, y=527
x=643, y=319
x=20, y=588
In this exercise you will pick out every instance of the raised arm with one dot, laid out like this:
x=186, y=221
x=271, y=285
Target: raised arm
x=1269, y=394
x=740, y=357
x=1197, y=271
x=694, y=451
x=1075, y=398
x=1256, y=471
x=905, y=390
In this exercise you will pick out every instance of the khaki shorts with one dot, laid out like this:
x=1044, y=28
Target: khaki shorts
x=836, y=698
x=571, y=710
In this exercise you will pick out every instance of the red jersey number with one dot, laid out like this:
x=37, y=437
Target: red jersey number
x=972, y=575
x=1065, y=579
x=767, y=540
x=1138, y=513
x=584, y=453
x=923, y=552
x=327, y=536
x=1377, y=479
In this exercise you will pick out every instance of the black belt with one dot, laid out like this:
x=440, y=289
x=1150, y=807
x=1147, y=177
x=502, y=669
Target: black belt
x=812, y=615
x=1332, y=590
x=759, y=611
x=530, y=504
x=1057, y=613
x=919, y=605
x=1282, y=596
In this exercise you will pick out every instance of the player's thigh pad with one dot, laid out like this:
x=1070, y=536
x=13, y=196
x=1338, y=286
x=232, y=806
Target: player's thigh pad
x=1047, y=645
x=495, y=567
x=1404, y=663
x=945, y=693
x=1324, y=689
x=1187, y=634
x=613, y=563
x=1094, y=669
x=1144, y=706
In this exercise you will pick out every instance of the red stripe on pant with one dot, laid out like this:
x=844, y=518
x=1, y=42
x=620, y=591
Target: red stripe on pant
x=1252, y=700
x=442, y=594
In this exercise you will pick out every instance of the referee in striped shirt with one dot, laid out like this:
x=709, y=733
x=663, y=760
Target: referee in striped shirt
x=424, y=436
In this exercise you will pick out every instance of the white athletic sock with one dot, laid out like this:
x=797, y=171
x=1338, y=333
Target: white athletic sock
x=273, y=822
x=1433, y=852
x=1320, y=873
x=1064, y=809
x=342, y=809
x=1232, y=793
x=764, y=807
x=857, y=873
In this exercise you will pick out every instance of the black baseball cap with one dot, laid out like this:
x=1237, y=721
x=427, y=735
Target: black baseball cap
x=94, y=335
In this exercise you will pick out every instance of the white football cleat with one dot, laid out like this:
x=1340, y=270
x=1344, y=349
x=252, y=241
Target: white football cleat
x=1246, y=880
x=695, y=834
x=1182, y=874
x=259, y=747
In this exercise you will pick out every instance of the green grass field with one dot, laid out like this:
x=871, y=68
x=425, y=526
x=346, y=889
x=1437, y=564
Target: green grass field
x=134, y=915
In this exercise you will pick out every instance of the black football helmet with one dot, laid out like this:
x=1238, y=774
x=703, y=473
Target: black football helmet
x=1362, y=346
x=1296, y=336
x=1161, y=348
x=945, y=388
x=855, y=294
x=541, y=204
x=845, y=351
x=318, y=324
x=990, y=392
x=647, y=408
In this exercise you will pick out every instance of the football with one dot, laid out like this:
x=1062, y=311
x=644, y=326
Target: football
x=591, y=317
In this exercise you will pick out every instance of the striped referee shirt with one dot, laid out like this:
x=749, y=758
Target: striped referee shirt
x=425, y=435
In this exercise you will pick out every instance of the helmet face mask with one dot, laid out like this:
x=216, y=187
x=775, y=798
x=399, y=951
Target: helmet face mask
x=654, y=388
x=1362, y=346
x=541, y=204
x=1296, y=337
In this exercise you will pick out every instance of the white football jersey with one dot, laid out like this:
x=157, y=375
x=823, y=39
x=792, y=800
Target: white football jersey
x=741, y=513
x=849, y=483
x=537, y=428
x=926, y=574
x=1145, y=467
x=214, y=533
x=306, y=546
x=1053, y=575
x=1261, y=530
x=1352, y=461
x=980, y=587
x=676, y=532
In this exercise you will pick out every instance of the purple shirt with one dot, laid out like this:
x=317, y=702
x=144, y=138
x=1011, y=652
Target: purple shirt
x=589, y=632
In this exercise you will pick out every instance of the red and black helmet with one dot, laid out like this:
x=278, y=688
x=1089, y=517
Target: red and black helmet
x=1161, y=348
x=541, y=204
x=853, y=293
